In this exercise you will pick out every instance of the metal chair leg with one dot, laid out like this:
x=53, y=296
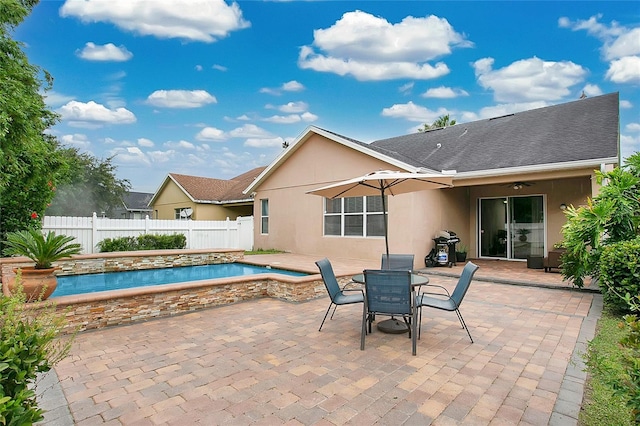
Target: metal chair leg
x=325, y=315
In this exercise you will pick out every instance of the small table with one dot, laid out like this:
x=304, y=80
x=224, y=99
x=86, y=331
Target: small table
x=392, y=325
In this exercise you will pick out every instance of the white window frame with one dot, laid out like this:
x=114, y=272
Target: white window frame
x=264, y=218
x=342, y=214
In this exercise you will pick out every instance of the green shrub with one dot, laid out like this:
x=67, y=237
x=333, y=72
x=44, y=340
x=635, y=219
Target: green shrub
x=628, y=386
x=29, y=345
x=117, y=244
x=143, y=242
x=620, y=274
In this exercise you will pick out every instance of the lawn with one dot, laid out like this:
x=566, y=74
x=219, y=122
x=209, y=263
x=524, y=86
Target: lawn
x=604, y=363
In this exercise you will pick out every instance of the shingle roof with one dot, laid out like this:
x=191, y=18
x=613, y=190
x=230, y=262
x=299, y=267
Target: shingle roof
x=580, y=130
x=137, y=200
x=210, y=189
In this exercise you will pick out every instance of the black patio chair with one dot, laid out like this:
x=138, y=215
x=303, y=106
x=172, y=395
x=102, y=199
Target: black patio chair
x=336, y=294
x=446, y=301
x=388, y=292
x=398, y=261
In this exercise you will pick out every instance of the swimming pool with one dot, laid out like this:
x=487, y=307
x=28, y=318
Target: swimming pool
x=91, y=283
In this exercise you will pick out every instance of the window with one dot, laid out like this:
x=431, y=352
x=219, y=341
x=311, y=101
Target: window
x=354, y=216
x=183, y=213
x=264, y=216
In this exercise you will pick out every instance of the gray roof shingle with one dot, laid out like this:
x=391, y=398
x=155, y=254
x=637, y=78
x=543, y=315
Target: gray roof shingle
x=581, y=130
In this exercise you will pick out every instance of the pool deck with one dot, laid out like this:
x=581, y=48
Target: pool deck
x=263, y=361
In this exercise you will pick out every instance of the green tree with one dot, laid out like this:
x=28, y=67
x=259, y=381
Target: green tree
x=442, y=121
x=611, y=217
x=29, y=160
x=87, y=185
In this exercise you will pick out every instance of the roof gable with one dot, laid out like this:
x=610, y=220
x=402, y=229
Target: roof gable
x=210, y=190
x=137, y=200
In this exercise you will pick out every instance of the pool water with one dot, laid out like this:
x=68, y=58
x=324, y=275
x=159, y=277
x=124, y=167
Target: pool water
x=90, y=283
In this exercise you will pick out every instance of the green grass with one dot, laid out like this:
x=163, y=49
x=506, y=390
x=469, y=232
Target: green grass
x=263, y=251
x=604, y=364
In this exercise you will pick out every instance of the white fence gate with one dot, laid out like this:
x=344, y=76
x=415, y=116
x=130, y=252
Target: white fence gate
x=201, y=234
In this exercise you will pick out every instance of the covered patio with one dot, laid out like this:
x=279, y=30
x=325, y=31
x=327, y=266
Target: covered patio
x=263, y=361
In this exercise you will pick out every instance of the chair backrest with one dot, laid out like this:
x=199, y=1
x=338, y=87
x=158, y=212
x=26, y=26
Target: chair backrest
x=329, y=277
x=403, y=262
x=388, y=291
x=463, y=283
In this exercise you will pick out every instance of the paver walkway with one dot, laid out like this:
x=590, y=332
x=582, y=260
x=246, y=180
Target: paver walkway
x=263, y=362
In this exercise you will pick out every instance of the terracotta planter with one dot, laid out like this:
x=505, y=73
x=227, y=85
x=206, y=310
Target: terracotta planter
x=37, y=284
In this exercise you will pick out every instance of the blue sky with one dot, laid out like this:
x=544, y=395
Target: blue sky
x=213, y=88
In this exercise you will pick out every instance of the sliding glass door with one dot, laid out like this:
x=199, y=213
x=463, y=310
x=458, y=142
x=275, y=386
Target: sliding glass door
x=511, y=227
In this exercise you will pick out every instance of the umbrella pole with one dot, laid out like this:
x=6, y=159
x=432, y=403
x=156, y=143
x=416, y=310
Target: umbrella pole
x=384, y=217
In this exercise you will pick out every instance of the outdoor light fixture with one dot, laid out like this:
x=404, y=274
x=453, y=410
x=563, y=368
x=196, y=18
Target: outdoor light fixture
x=563, y=206
x=517, y=186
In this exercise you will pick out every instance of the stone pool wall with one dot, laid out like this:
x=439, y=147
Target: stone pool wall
x=97, y=310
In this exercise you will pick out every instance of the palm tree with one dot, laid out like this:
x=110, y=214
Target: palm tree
x=442, y=121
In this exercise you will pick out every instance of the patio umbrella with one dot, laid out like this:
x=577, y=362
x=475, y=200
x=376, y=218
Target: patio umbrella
x=384, y=182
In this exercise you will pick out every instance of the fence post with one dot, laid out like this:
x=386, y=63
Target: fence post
x=94, y=232
x=189, y=233
x=147, y=224
x=226, y=235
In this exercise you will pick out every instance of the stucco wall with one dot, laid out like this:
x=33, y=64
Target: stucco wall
x=296, y=220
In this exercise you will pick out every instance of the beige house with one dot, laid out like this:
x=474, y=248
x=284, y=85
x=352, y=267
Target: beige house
x=513, y=176
x=184, y=197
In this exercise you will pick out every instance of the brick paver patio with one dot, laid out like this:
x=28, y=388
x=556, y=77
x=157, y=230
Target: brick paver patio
x=263, y=362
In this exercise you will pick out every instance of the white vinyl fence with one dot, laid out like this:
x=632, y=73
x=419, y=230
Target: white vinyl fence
x=201, y=234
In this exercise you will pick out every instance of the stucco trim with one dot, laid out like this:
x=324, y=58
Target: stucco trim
x=537, y=168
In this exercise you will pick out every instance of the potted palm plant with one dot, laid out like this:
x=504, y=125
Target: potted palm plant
x=38, y=281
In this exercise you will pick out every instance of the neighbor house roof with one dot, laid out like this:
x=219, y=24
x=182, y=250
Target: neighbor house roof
x=210, y=190
x=137, y=201
x=578, y=134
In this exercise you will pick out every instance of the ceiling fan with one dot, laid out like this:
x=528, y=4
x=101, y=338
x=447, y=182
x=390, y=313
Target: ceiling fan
x=518, y=185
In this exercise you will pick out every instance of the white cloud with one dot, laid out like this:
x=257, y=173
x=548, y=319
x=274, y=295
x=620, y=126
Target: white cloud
x=130, y=155
x=413, y=112
x=264, y=143
x=182, y=144
x=181, y=98
x=106, y=52
x=290, y=86
x=219, y=67
x=211, y=134
x=529, y=79
x=367, y=71
x=198, y=67
x=592, y=90
x=55, y=99
x=284, y=119
x=93, y=115
x=309, y=117
x=632, y=127
x=205, y=21
x=628, y=44
x=625, y=104
x=250, y=131
x=444, y=93
x=406, y=88
x=294, y=107
x=144, y=142
x=371, y=48
x=625, y=70
x=162, y=156
x=77, y=140
x=629, y=145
